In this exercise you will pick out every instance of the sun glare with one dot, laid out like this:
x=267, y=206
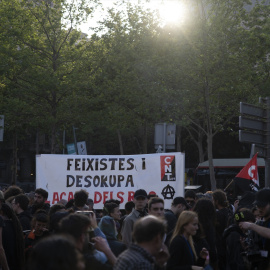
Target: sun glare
x=170, y=11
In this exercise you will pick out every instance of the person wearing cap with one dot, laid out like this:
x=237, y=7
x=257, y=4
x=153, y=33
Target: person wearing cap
x=140, y=201
x=262, y=228
x=179, y=205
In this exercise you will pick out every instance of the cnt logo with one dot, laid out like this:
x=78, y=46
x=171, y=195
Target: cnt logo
x=167, y=166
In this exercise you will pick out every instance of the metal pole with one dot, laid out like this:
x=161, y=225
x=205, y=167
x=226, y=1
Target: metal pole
x=75, y=141
x=164, y=137
x=267, y=159
x=64, y=141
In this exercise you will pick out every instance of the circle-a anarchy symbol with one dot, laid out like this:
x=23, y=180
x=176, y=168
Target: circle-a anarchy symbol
x=168, y=192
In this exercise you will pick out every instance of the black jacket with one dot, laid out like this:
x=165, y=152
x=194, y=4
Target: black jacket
x=234, y=248
x=25, y=219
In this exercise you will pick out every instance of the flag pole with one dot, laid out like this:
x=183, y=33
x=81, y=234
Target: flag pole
x=228, y=185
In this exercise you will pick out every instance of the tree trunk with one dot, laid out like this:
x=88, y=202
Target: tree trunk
x=37, y=142
x=210, y=160
x=53, y=135
x=178, y=138
x=120, y=142
x=200, y=147
x=144, y=140
x=15, y=159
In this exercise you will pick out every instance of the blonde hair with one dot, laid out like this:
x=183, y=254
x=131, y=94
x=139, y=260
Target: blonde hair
x=184, y=219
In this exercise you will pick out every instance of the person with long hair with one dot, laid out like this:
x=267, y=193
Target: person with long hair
x=182, y=250
x=207, y=219
x=11, y=240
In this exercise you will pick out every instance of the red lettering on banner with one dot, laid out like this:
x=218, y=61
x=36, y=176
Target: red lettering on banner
x=130, y=195
x=105, y=196
x=55, y=198
x=62, y=194
x=96, y=199
x=111, y=195
x=70, y=196
x=119, y=196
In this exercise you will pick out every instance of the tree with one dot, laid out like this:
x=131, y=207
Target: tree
x=129, y=76
x=44, y=51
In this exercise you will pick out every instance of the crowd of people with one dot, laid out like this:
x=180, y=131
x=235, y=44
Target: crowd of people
x=199, y=231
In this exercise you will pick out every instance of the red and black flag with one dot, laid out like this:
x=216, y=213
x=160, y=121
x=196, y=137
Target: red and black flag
x=248, y=179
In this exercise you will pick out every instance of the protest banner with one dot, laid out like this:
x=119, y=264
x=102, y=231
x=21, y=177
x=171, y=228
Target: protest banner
x=111, y=177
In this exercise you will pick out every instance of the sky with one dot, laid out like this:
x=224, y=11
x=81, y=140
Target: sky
x=170, y=10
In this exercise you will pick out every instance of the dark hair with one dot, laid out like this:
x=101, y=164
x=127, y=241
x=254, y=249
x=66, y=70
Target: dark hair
x=113, y=201
x=206, y=211
x=56, y=252
x=190, y=194
x=40, y=216
x=109, y=208
x=8, y=212
x=55, y=208
x=74, y=224
x=154, y=200
x=244, y=214
x=146, y=228
x=42, y=192
x=70, y=203
x=12, y=191
x=80, y=198
x=129, y=206
x=22, y=200
x=220, y=197
x=149, y=196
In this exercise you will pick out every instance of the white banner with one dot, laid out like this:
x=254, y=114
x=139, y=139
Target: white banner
x=111, y=177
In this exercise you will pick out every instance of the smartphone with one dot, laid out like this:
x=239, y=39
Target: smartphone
x=87, y=213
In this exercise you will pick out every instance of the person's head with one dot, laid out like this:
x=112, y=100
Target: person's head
x=112, y=210
x=140, y=199
x=58, y=207
x=56, y=252
x=30, y=196
x=129, y=206
x=80, y=198
x=179, y=205
x=41, y=196
x=220, y=199
x=243, y=214
x=262, y=201
x=190, y=197
x=255, y=211
x=40, y=222
x=150, y=231
x=199, y=195
x=209, y=195
x=12, y=191
x=20, y=203
x=78, y=226
x=108, y=227
x=156, y=207
x=90, y=204
x=187, y=223
x=206, y=212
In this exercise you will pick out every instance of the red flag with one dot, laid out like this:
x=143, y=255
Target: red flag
x=248, y=179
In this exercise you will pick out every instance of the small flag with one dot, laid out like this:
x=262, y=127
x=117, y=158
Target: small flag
x=248, y=179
